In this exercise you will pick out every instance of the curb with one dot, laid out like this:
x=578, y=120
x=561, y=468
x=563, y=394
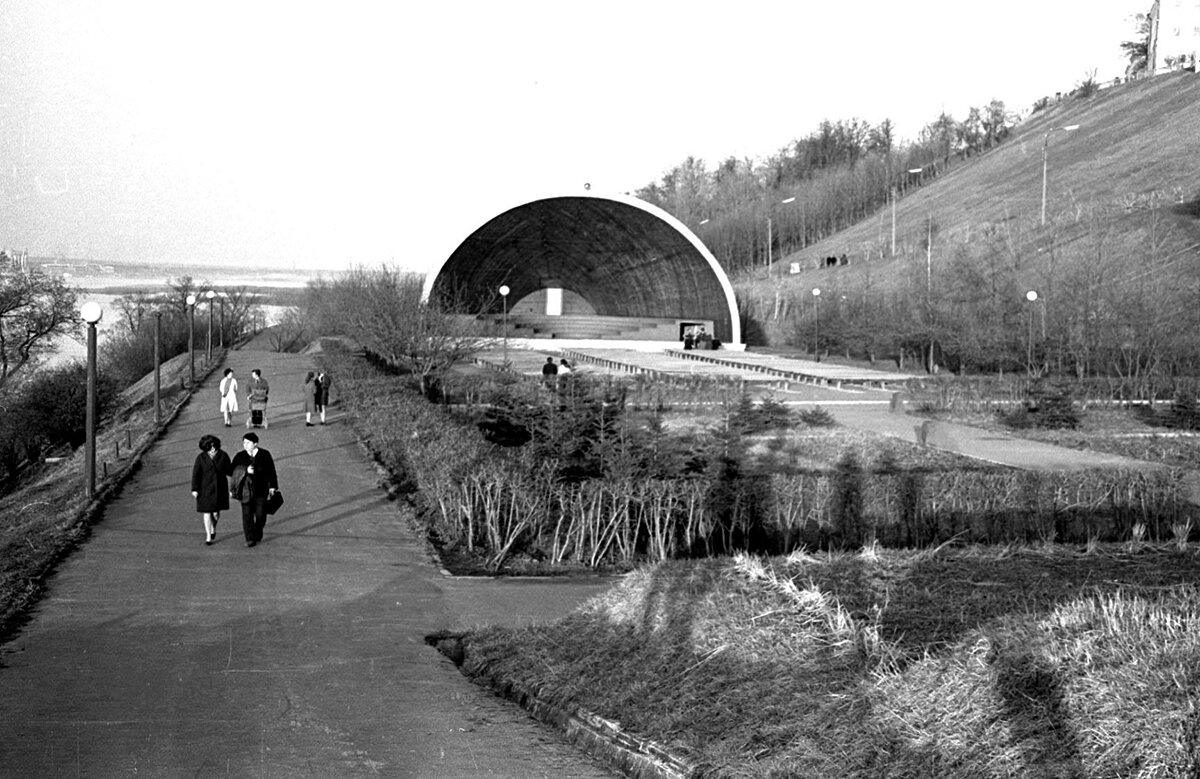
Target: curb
x=636, y=757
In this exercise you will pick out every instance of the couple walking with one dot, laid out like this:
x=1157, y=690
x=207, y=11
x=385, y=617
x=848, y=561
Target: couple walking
x=248, y=478
x=256, y=397
x=316, y=395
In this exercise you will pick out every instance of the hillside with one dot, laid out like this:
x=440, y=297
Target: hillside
x=1123, y=196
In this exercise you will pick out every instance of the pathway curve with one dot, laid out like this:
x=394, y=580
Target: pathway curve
x=154, y=655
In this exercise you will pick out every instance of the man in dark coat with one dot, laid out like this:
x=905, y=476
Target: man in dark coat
x=254, y=480
x=549, y=372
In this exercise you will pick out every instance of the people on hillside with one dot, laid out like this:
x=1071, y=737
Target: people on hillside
x=210, y=484
x=563, y=366
x=257, y=393
x=253, y=482
x=310, y=397
x=323, y=383
x=229, y=403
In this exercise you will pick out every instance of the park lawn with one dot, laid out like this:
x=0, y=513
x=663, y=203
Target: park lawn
x=973, y=662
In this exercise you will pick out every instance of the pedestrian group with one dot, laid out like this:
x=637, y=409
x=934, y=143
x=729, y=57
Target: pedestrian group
x=249, y=477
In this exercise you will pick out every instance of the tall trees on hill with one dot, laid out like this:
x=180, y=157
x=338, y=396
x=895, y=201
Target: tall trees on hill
x=839, y=173
x=1117, y=296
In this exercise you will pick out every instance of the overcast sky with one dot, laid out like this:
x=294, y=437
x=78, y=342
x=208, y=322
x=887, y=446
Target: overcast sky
x=323, y=135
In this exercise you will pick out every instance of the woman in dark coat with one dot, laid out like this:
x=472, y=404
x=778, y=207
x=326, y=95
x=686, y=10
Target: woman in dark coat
x=310, y=397
x=210, y=484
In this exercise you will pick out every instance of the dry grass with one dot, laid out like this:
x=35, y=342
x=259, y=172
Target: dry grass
x=945, y=663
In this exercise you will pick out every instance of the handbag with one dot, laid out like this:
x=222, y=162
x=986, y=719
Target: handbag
x=274, y=501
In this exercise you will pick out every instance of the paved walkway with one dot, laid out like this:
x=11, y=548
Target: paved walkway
x=154, y=655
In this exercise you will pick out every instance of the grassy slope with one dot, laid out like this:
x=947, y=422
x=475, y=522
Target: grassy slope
x=1049, y=662
x=1133, y=139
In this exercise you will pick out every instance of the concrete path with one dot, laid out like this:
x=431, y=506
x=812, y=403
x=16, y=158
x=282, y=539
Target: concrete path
x=155, y=655
x=976, y=442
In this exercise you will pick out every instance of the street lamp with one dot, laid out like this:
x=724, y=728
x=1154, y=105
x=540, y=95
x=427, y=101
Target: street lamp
x=157, y=363
x=903, y=186
x=770, y=237
x=191, y=304
x=210, y=295
x=1031, y=296
x=91, y=313
x=221, y=335
x=504, y=290
x=1045, y=146
x=817, y=323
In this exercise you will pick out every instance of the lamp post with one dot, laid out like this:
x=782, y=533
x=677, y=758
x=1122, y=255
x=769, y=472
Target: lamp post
x=504, y=290
x=221, y=335
x=91, y=313
x=191, y=304
x=210, y=295
x=817, y=323
x=1045, y=146
x=157, y=364
x=903, y=183
x=771, y=238
x=1032, y=297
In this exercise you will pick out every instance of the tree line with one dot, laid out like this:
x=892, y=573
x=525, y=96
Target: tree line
x=962, y=303
x=45, y=408
x=838, y=174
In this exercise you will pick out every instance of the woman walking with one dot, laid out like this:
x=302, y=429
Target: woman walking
x=310, y=397
x=210, y=484
x=229, y=388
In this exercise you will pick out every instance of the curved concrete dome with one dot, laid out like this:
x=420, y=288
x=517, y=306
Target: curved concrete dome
x=624, y=257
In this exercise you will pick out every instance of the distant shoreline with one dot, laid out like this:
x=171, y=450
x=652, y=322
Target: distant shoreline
x=124, y=278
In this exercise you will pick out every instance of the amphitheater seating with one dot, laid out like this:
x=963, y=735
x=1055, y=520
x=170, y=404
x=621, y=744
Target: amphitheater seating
x=579, y=326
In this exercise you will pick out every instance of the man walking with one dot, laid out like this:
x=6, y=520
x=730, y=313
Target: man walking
x=549, y=373
x=257, y=392
x=254, y=480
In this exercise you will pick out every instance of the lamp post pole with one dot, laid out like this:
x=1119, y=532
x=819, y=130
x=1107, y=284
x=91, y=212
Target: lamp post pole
x=157, y=364
x=817, y=323
x=771, y=234
x=1045, y=148
x=504, y=290
x=91, y=313
x=221, y=335
x=210, y=295
x=191, y=305
x=1032, y=297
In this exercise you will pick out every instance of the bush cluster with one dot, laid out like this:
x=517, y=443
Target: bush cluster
x=1049, y=406
x=46, y=412
x=576, y=477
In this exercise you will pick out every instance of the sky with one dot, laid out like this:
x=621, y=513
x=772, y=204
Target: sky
x=322, y=136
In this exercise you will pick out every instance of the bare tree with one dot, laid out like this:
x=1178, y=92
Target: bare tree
x=389, y=317
x=34, y=309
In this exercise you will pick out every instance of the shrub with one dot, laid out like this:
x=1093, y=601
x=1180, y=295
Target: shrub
x=128, y=358
x=53, y=405
x=1184, y=414
x=1048, y=405
x=816, y=417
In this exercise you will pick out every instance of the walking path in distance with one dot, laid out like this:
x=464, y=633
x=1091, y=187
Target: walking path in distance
x=154, y=655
